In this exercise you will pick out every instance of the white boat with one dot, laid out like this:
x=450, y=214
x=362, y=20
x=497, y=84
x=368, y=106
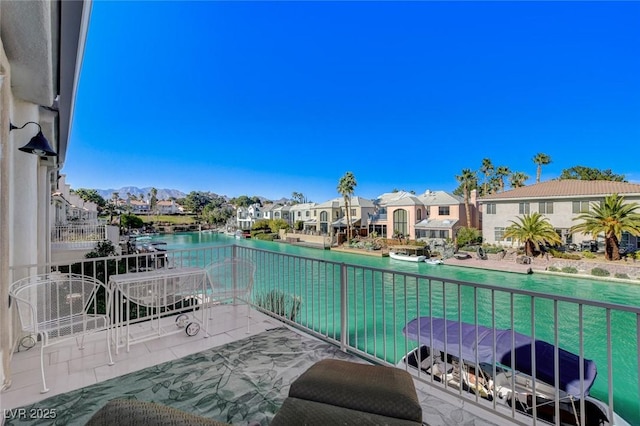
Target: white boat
x=434, y=261
x=408, y=257
x=471, y=363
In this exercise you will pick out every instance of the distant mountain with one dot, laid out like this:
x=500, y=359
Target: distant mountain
x=163, y=194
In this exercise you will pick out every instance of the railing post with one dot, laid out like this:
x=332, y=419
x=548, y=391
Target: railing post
x=344, y=324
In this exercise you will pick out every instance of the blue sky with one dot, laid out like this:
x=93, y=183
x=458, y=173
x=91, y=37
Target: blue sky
x=270, y=98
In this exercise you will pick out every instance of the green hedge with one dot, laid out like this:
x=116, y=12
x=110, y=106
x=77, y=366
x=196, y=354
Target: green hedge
x=599, y=272
x=569, y=270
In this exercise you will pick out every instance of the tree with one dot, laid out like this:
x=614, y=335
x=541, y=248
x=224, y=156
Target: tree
x=517, y=179
x=487, y=170
x=466, y=236
x=278, y=224
x=298, y=197
x=153, y=200
x=501, y=173
x=128, y=221
x=611, y=218
x=91, y=195
x=533, y=230
x=196, y=201
x=540, y=160
x=588, y=173
x=346, y=187
x=468, y=180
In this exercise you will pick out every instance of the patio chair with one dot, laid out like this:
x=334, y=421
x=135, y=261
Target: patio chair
x=232, y=279
x=56, y=307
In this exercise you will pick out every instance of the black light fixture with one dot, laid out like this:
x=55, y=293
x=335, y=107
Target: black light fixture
x=38, y=145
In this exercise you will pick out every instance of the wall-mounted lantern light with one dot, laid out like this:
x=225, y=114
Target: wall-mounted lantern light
x=38, y=145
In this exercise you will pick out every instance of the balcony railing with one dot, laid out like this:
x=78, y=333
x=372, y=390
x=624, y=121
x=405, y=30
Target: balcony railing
x=78, y=236
x=363, y=310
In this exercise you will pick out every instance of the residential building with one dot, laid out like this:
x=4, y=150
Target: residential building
x=331, y=215
x=560, y=201
x=168, y=207
x=431, y=215
x=247, y=216
x=42, y=45
x=282, y=212
x=303, y=212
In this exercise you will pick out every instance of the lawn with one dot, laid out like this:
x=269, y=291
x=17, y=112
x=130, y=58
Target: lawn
x=168, y=219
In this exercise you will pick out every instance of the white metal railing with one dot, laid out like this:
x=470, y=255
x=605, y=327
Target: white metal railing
x=363, y=310
x=80, y=235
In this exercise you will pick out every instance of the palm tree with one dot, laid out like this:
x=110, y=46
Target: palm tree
x=346, y=186
x=532, y=230
x=611, y=218
x=487, y=170
x=541, y=160
x=468, y=181
x=517, y=179
x=501, y=173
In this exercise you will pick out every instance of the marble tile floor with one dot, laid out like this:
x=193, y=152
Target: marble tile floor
x=68, y=368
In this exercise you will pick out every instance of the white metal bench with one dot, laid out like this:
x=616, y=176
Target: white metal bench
x=56, y=307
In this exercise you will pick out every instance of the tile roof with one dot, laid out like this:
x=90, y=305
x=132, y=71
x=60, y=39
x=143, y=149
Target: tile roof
x=567, y=188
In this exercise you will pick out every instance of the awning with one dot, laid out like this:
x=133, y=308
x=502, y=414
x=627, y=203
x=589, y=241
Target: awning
x=436, y=224
x=342, y=223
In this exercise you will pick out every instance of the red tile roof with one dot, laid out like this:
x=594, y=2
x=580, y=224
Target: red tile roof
x=567, y=188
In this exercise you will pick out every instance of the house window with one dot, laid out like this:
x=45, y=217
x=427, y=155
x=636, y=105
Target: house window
x=443, y=210
x=498, y=234
x=353, y=212
x=400, y=222
x=545, y=207
x=491, y=208
x=580, y=207
x=277, y=214
x=337, y=214
x=524, y=208
x=307, y=213
x=419, y=213
x=299, y=214
x=323, y=216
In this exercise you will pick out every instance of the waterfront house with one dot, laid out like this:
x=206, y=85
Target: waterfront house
x=428, y=216
x=303, y=212
x=558, y=200
x=331, y=215
x=247, y=216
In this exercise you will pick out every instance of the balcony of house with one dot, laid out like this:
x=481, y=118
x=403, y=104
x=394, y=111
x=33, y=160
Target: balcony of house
x=455, y=338
x=73, y=240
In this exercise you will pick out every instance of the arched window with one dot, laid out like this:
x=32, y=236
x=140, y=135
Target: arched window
x=400, y=221
x=323, y=216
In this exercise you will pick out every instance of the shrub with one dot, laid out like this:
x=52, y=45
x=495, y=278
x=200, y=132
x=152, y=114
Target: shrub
x=264, y=237
x=599, y=272
x=621, y=275
x=560, y=255
x=588, y=255
x=569, y=270
x=281, y=304
x=553, y=269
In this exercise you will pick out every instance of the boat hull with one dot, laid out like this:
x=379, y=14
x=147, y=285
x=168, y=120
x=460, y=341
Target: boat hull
x=407, y=257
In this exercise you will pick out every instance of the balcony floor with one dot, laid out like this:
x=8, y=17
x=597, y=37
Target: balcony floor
x=69, y=369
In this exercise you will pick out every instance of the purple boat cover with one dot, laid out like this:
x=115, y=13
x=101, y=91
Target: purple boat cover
x=508, y=343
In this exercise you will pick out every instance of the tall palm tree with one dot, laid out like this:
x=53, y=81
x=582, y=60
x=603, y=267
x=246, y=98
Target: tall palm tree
x=541, y=160
x=517, y=179
x=501, y=173
x=487, y=170
x=346, y=186
x=468, y=181
x=611, y=218
x=532, y=230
